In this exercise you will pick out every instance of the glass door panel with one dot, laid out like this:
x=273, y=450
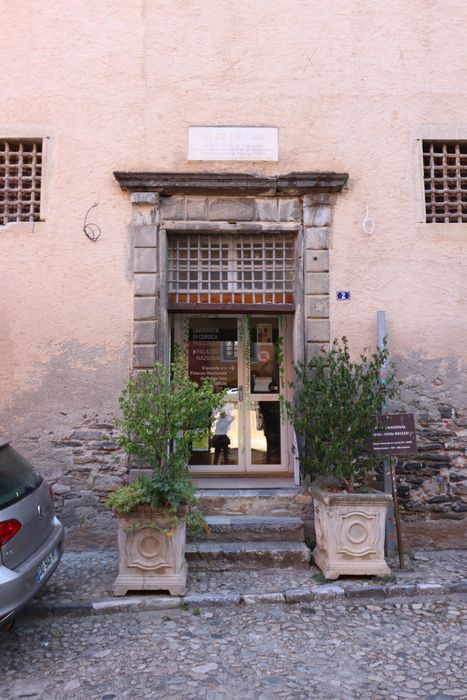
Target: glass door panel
x=213, y=354
x=245, y=356
x=213, y=351
x=264, y=339
x=266, y=432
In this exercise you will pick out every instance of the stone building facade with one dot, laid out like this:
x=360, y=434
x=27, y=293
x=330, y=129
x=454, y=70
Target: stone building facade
x=98, y=185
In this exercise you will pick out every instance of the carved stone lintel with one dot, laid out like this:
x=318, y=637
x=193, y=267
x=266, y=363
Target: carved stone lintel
x=232, y=184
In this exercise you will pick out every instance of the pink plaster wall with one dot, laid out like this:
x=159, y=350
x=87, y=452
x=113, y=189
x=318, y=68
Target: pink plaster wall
x=115, y=85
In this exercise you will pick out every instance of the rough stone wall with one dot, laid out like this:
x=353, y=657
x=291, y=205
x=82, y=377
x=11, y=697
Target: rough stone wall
x=93, y=466
x=432, y=485
x=434, y=482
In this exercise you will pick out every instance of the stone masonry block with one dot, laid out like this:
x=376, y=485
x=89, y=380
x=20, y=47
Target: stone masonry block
x=144, y=198
x=143, y=215
x=145, y=308
x=251, y=227
x=145, y=236
x=318, y=198
x=266, y=209
x=313, y=349
x=317, y=306
x=145, y=260
x=144, y=332
x=232, y=209
x=144, y=356
x=316, y=238
x=290, y=210
x=316, y=283
x=316, y=260
x=317, y=215
x=317, y=330
x=145, y=285
x=172, y=208
x=197, y=209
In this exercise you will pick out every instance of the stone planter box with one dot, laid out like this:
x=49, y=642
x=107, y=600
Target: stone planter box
x=150, y=559
x=350, y=533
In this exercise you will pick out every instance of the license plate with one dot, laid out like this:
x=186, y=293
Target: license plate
x=47, y=564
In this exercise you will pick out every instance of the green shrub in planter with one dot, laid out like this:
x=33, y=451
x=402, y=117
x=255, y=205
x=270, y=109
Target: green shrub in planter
x=334, y=408
x=163, y=412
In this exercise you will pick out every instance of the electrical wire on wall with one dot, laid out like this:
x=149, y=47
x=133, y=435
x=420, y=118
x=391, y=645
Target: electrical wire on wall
x=92, y=231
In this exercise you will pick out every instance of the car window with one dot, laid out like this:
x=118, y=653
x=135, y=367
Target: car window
x=17, y=477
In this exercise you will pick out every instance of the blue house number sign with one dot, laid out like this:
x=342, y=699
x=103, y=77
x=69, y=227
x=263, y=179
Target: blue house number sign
x=343, y=296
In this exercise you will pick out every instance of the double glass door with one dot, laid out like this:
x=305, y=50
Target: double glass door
x=247, y=356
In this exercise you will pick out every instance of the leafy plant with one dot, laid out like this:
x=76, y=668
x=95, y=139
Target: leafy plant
x=196, y=522
x=333, y=413
x=163, y=412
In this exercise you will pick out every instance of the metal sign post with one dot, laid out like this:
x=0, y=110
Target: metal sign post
x=390, y=520
x=395, y=500
x=394, y=435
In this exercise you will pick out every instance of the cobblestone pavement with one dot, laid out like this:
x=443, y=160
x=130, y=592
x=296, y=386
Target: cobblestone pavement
x=87, y=577
x=338, y=651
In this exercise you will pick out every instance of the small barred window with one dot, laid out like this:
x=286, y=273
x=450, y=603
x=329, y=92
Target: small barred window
x=445, y=181
x=20, y=180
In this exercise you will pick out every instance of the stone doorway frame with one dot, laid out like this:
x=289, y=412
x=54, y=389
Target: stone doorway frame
x=165, y=203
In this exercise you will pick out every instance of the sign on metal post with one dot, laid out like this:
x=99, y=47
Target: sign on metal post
x=394, y=435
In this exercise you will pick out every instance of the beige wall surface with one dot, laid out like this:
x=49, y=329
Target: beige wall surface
x=114, y=85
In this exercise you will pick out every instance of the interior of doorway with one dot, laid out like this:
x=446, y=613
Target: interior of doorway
x=248, y=357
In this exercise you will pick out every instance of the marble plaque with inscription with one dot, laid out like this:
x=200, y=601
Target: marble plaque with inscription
x=233, y=143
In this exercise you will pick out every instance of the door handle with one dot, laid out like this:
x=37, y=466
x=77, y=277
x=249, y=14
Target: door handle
x=240, y=393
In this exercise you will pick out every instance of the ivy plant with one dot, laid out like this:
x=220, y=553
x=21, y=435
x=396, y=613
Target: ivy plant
x=333, y=412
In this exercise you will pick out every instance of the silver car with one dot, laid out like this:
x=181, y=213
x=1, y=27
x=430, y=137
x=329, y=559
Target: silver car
x=31, y=537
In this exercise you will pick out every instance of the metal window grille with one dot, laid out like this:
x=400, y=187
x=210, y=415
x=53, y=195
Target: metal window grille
x=20, y=180
x=223, y=269
x=445, y=181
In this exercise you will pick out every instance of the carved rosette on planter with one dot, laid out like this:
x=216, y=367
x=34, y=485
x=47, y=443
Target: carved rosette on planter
x=152, y=553
x=350, y=531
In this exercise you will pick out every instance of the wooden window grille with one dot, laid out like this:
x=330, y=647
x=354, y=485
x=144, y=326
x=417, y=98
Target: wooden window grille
x=445, y=181
x=223, y=269
x=20, y=180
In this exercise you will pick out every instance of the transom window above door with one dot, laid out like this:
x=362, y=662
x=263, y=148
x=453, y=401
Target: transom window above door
x=224, y=269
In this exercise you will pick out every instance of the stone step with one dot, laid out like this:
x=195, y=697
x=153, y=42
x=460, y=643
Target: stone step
x=271, y=502
x=253, y=528
x=227, y=556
